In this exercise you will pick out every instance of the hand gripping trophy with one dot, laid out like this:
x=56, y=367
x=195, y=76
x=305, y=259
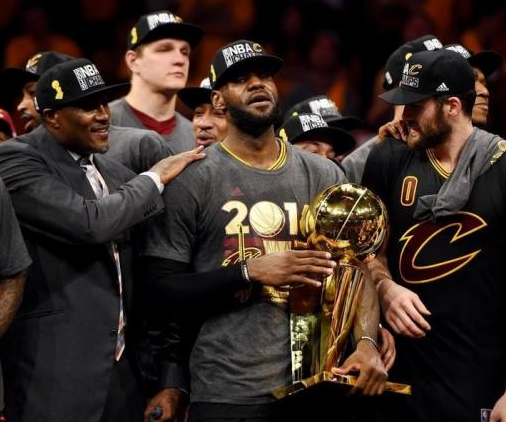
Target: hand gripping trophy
x=350, y=222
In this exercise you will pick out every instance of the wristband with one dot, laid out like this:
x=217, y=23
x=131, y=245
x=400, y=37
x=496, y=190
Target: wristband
x=369, y=339
x=245, y=272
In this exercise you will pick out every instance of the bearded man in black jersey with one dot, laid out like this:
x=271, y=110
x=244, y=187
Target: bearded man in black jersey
x=441, y=281
x=223, y=250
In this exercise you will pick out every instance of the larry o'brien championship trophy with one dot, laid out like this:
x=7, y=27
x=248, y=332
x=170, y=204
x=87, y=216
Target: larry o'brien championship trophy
x=350, y=222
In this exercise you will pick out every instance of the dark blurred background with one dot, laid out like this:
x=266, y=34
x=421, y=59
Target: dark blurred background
x=333, y=47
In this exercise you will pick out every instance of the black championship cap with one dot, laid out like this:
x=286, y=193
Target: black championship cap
x=430, y=74
x=195, y=96
x=237, y=56
x=163, y=24
x=12, y=79
x=303, y=126
x=487, y=61
x=70, y=82
x=395, y=63
x=326, y=108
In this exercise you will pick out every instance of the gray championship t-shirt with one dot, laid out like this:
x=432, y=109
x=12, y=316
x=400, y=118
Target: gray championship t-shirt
x=219, y=211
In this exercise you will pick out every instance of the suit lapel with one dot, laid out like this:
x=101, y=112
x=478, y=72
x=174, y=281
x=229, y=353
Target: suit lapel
x=111, y=177
x=65, y=164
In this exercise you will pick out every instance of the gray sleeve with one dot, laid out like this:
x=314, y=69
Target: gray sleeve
x=45, y=203
x=354, y=163
x=151, y=150
x=13, y=254
x=172, y=234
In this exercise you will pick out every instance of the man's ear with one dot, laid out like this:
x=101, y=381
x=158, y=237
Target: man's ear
x=130, y=60
x=217, y=100
x=51, y=118
x=455, y=106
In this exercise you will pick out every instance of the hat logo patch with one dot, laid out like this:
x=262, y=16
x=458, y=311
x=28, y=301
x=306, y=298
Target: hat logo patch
x=323, y=107
x=162, y=18
x=442, y=88
x=133, y=35
x=433, y=44
x=311, y=122
x=238, y=52
x=32, y=61
x=415, y=69
x=88, y=76
x=461, y=50
x=407, y=75
x=59, y=92
x=31, y=65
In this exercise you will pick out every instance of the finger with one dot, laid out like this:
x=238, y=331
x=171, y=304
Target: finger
x=147, y=412
x=415, y=315
x=404, y=130
x=399, y=322
x=388, y=358
x=318, y=262
x=313, y=269
x=418, y=304
x=359, y=385
x=310, y=253
x=392, y=321
x=394, y=131
x=295, y=278
x=345, y=368
x=408, y=326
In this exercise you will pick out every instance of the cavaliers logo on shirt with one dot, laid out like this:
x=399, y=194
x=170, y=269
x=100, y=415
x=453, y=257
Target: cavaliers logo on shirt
x=422, y=235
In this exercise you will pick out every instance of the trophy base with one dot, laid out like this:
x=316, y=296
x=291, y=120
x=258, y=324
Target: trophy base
x=329, y=384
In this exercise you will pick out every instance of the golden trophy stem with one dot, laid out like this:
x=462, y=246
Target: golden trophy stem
x=349, y=280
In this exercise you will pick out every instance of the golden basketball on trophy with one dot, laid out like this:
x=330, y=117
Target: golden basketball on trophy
x=351, y=223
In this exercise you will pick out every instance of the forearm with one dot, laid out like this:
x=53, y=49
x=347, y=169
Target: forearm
x=11, y=294
x=367, y=317
x=171, y=283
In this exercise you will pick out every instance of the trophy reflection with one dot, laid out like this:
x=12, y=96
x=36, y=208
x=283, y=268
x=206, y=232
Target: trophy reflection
x=350, y=222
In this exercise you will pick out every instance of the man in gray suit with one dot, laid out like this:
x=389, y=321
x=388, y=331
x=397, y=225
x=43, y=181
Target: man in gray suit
x=70, y=355
x=158, y=57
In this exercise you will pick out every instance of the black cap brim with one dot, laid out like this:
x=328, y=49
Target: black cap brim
x=400, y=96
x=265, y=62
x=111, y=92
x=195, y=96
x=346, y=123
x=340, y=140
x=179, y=31
x=487, y=61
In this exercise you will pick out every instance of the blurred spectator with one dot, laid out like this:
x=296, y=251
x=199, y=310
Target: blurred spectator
x=37, y=35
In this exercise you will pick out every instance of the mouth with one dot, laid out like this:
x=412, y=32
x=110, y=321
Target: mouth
x=177, y=74
x=260, y=99
x=101, y=133
x=205, y=139
x=28, y=121
x=482, y=105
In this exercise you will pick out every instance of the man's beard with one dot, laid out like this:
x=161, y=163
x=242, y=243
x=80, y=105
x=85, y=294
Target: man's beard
x=250, y=123
x=433, y=135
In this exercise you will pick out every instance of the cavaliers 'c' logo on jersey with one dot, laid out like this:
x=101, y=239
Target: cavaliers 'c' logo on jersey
x=419, y=236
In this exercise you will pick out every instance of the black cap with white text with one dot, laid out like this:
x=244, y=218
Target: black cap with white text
x=238, y=56
x=430, y=74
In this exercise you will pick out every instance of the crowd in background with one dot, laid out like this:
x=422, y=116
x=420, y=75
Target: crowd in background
x=333, y=47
